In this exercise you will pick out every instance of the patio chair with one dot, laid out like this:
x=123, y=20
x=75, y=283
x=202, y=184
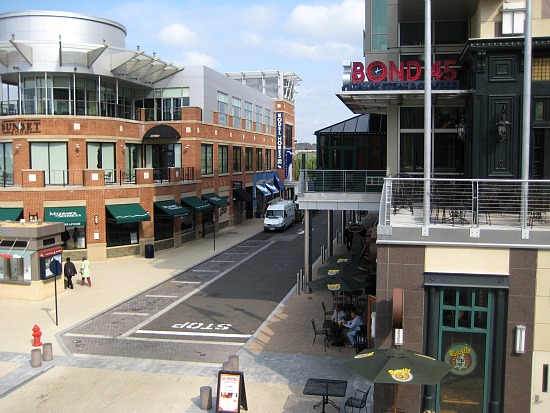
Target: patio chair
x=358, y=400
x=326, y=312
x=361, y=341
x=319, y=332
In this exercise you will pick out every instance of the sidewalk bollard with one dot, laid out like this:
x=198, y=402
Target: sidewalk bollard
x=226, y=366
x=47, y=352
x=234, y=361
x=206, y=398
x=36, y=357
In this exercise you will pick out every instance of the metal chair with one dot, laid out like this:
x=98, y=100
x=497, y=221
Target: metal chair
x=319, y=332
x=325, y=311
x=356, y=402
x=361, y=341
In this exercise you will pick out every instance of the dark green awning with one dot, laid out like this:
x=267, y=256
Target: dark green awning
x=197, y=204
x=126, y=213
x=172, y=208
x=215, y=199
x=10, y=214
x=71, y=216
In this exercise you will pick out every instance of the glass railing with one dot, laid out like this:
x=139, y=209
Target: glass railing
x=317, y=180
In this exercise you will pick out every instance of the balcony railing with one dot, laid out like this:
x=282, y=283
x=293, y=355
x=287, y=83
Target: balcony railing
x=317, y=180
x=463, y=202
x=6, y=178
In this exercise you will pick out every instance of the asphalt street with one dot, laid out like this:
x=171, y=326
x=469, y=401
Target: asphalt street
x=206, y=313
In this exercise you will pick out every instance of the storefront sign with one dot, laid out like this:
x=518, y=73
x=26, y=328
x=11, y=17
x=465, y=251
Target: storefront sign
x=462, y=358
x=279, y=130
x=50, y=252
x=355, y=227
x=377, y=76
x=20, y=127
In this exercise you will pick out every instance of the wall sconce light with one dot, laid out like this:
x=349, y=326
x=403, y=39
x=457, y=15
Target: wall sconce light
x=123, y=146
x=77, y=147
x=96, y=219
x=187, y=146
x=398, y=337
x=503, y=126
x=17, y=146
x=462, y=127
x=520, y=340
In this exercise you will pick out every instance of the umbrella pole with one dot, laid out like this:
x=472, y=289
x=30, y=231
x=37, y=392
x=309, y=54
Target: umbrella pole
x=395, y=399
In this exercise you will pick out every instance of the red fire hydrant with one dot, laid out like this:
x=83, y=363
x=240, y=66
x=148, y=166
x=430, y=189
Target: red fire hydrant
x=36, y=333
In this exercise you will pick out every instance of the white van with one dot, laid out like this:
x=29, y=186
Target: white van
x=279, y=215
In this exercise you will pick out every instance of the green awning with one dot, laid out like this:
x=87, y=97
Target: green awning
x=197, y=204
x=172, y=208
x=10, y=214
x=126, y=213
x=215, y=199
x=71, y=216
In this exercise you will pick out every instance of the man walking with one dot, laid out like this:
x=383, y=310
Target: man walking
x=69, y=270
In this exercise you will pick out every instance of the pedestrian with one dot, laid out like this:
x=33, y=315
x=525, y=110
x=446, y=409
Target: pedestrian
x=85, y=271
x=349, y=238
x=70, y=271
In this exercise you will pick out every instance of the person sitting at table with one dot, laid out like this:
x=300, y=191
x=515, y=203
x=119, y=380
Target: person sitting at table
x=338, y=315
x=353, y=326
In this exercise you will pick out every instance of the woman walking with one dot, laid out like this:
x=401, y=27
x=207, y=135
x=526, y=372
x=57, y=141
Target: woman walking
x=85, y=271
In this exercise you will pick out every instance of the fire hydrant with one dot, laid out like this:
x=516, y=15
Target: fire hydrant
x=36, y=333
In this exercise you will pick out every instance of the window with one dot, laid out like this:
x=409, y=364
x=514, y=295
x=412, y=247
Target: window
x=164, y=225
x=188, y=223
x=207, y=162
x=259, y=159
x=288, y=136
x=268, y=121
x=248, y=115
x=237, y=159
x=258, y=118
x=222, y=108
x=108, y=99
x=6, y=164
x=122, y=234
x=102, y=156
x=61, y=92
x=236, y=112
x=513, y=18
x=51, y=157
x=379, y=25
x=132, y=160
x=268, y=159
x=248, y=159
x=223, y=164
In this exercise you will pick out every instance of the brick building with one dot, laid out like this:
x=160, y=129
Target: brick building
x=131, y=153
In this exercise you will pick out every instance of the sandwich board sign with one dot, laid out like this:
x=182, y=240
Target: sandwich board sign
x=231, y=392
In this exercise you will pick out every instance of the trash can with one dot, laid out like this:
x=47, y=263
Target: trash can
x=149, y=251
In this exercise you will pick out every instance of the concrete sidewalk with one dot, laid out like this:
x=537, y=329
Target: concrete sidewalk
x=276, y=362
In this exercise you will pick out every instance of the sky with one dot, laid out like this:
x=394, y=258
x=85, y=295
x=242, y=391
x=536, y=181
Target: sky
x=310, y=38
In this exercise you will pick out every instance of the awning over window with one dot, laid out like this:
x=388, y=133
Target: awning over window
x=272, y=188
x=263, y=190
x=10, y=214
x=215, y=200
x=278, y=182
x=241, y=195
x=172, y=208
x=126, y=213
x=197, y=204
x=70, y=216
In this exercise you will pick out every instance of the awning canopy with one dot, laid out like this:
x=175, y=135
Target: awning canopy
x=126, y=213
x=272, y=188
x=263, y=190
x=197, y=204
x=172, y=208
x=278, y=182
x=241, y=195
x=10, y=214
x=215, y=200
x=162, y=131
x=71, y=216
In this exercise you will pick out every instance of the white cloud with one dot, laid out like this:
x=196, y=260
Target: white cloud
x=178, y=34
x=313, y=51
x=192, y=57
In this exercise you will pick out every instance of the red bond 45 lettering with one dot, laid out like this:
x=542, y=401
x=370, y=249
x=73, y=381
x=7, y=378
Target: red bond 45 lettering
x=410, y=71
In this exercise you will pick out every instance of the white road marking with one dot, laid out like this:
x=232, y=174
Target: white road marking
x=221, y=261
x=123, y=313
x=205, y=271
x=186, y=282
x=192, y=333
x=161, y=296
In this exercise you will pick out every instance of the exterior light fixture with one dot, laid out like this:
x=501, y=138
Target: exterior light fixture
x=520, y=340
x=462, y=126
x=96, y=219
x=77, y=147
x=503, y=126
x=398, y=337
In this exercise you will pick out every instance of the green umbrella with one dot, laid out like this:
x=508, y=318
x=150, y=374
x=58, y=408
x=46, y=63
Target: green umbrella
x=398, y=366
x=341, y=270
x=338, y=284
x=345, y=258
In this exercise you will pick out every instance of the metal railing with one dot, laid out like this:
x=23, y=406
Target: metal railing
x=6, y=178
x=464, y=202
x=318, y=180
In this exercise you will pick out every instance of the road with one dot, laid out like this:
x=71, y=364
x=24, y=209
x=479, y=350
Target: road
x=207, y=312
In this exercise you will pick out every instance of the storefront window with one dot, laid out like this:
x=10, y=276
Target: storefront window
x=74, y=238
x=122, y=234
x=188, y=223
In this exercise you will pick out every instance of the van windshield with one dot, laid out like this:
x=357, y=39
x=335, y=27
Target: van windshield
x=274, y=213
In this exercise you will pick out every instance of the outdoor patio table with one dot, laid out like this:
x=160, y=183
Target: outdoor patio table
x=326, y=388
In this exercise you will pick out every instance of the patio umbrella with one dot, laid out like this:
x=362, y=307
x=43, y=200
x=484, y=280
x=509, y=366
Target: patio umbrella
x=345, y=258
x=398, y=366
x=341, y=270
x=337, y=284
